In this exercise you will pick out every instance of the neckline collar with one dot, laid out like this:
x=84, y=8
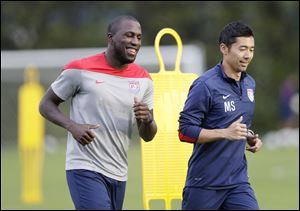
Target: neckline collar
x=226, y=77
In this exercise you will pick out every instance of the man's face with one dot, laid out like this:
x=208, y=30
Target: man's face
x=126, y=42
x=239, y=55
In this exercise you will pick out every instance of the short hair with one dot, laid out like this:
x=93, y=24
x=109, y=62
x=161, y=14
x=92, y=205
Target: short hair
x=233, y=30
x=113, y=26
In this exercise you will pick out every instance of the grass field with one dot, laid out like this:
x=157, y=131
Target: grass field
x=274, y=175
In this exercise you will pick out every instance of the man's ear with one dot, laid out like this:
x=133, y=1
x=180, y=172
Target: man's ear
x=109, y=36
x=223, y=49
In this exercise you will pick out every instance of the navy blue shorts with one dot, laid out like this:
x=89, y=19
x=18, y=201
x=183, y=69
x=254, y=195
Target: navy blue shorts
x=239, y=198
x=93, y=191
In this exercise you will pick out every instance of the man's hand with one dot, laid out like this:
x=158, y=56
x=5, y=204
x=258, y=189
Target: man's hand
x=145, y=122
x=142, y=112
x=253, y=141
x=82, y=132
x=237, y=130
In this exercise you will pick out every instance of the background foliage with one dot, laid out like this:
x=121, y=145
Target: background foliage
x=37, y=25
x=82, y=24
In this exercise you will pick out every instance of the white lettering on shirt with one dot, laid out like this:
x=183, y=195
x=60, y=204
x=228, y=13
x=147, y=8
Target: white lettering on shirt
x=229, y=106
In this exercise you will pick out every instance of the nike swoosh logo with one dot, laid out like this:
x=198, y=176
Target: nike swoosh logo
x=225, y=97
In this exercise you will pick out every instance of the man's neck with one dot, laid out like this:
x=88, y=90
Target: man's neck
x=113, y=62
x=230, y=72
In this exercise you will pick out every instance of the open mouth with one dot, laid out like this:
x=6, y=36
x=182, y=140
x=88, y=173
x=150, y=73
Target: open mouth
x=131, y=51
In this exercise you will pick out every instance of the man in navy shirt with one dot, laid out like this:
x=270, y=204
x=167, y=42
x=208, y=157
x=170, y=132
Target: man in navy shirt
x=216, y=118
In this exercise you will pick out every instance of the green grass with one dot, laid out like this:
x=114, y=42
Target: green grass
x=274, y=176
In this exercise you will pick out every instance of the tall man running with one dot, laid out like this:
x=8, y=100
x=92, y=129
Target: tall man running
x=216, y=117
x=109, y=95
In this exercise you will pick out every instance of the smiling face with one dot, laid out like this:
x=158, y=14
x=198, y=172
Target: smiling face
x=238, y=55
x=125, y=41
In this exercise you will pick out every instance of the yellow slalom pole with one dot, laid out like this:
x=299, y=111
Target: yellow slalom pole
x=31, y=137
x=165, y=159
x=176, y=36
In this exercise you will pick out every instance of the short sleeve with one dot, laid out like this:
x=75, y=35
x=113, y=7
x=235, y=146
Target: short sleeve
x=67, y=83
x=148, y=96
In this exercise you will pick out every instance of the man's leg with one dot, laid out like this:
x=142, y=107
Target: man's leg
x=88, y=190
x=118, y=193
x=241, y=198
x=202, y=199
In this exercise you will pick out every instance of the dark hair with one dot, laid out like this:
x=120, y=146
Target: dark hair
x=232, y=30
x=112, y=27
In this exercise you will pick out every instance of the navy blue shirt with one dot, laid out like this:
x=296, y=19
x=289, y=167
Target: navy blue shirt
x=215, y=101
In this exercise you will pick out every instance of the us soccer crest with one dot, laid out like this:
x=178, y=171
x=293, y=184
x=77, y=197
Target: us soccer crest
x=250, y=94
x=134, y=87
